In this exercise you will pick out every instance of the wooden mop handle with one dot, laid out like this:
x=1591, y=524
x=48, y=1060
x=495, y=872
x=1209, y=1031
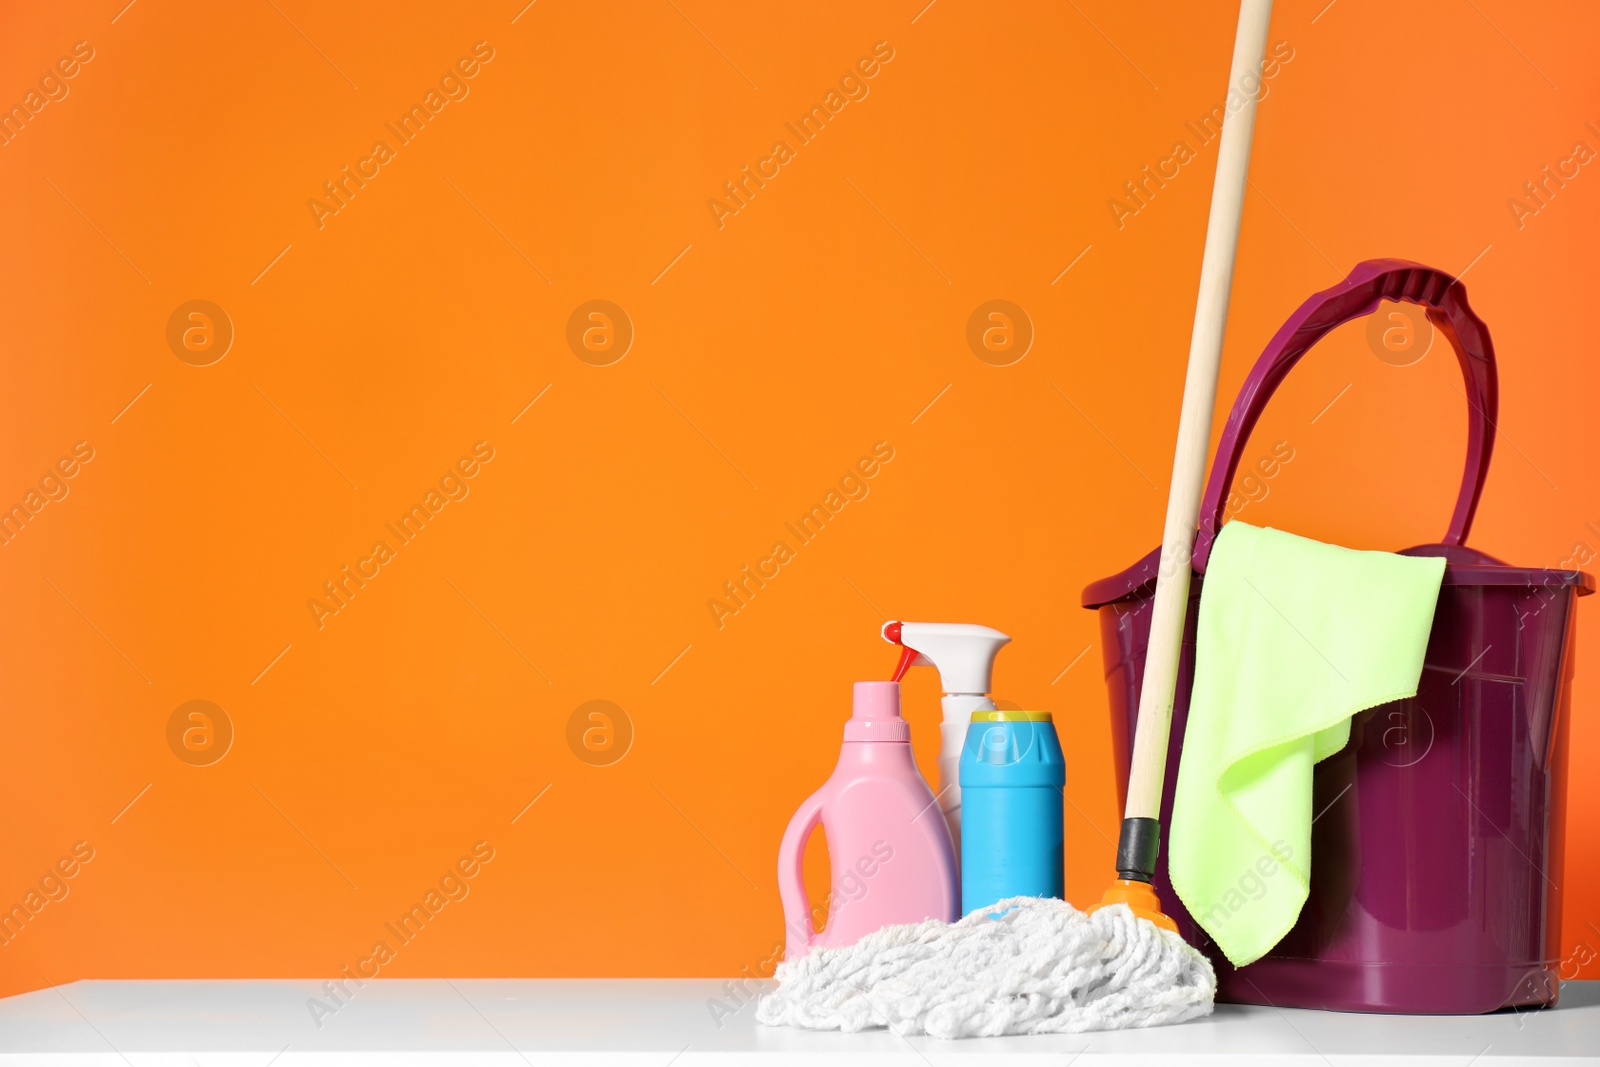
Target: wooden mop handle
x=1136, y=853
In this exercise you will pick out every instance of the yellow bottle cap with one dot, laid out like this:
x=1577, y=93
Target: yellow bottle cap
x=1010, y=716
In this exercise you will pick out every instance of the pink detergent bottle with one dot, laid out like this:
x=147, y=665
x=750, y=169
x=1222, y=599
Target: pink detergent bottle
x=888, y=844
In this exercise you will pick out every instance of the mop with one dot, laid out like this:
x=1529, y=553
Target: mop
x=1043, y=966
x=1140, y=839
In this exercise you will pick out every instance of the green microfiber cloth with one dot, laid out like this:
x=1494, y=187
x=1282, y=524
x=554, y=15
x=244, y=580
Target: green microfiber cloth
x=1295, y=637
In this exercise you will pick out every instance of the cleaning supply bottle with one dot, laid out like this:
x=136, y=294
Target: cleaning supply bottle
x=964, y=655
x=888, y=849
x=1012, y=774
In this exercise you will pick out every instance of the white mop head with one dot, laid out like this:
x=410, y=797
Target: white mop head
x=1043, y=967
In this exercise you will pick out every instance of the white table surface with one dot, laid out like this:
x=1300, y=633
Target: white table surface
x=668, y=1021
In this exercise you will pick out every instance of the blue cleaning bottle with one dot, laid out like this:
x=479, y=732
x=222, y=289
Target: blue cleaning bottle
x=1012, y=773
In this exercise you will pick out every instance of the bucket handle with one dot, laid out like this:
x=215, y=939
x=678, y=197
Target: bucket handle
x=1373, y=280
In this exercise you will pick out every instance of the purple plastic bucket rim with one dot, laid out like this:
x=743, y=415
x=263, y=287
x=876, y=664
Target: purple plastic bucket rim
x=1139, y=581
x=1358, y=295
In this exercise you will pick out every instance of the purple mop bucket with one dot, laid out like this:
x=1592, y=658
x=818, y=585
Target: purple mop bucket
x=1436, y=858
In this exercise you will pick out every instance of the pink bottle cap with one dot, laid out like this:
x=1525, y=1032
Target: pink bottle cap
x=875, y=715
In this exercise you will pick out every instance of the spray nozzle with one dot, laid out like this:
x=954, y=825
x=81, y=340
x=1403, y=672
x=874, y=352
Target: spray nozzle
x=962, y=653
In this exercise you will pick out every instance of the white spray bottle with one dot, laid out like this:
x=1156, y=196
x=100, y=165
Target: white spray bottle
x=963, y=654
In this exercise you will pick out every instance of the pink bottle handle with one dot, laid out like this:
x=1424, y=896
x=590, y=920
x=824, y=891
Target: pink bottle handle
x=799, y=931
x=1358, y=295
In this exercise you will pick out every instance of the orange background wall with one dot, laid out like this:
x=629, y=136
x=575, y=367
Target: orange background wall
x=373, y=351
